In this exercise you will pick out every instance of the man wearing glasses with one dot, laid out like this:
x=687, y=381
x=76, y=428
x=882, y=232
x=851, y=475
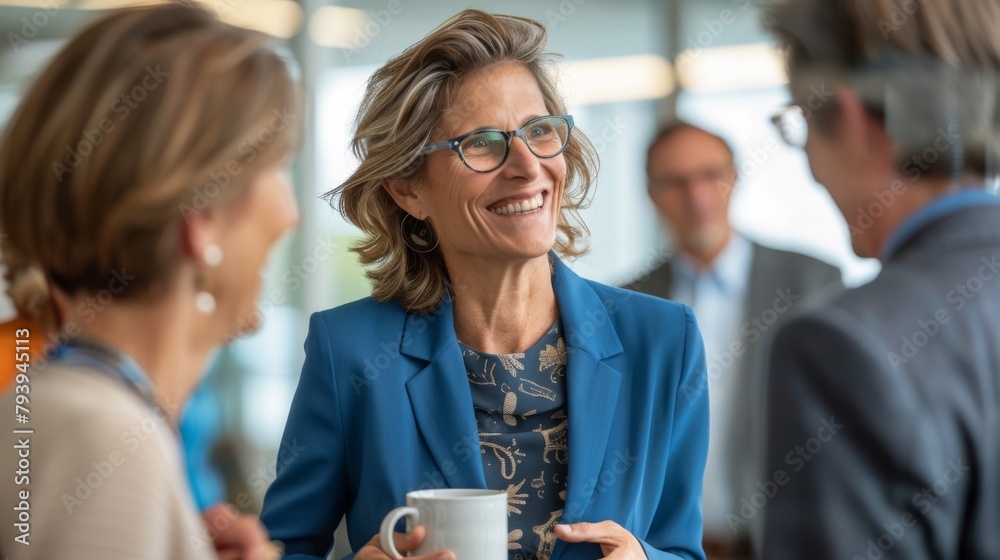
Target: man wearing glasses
x=893, y=389
x=739, y=291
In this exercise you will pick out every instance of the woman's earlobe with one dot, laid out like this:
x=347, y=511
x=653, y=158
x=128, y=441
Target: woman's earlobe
x=403, y=192
x=195, y=235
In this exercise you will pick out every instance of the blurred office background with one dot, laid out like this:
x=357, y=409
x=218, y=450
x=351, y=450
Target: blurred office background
x=627, y=65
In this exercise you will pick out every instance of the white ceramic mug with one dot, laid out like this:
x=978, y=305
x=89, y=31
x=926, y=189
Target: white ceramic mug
x=470, y=523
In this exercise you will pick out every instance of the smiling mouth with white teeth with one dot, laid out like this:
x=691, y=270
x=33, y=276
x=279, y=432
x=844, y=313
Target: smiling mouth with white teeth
x=523, y=207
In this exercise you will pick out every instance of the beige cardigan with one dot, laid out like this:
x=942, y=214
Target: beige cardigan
x=105, y=475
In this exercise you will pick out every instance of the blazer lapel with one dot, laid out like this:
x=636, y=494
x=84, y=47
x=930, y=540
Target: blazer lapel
x=592, y=388
x=593, y=393
x=761, y=282
x=441, y=399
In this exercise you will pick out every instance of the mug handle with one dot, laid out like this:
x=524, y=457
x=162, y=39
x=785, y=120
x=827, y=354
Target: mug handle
x=389, y=526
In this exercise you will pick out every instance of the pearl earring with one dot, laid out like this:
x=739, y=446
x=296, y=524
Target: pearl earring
x=204, y=300
x=213, y=255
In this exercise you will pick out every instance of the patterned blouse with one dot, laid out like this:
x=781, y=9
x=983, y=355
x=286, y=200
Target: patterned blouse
x=520, y=407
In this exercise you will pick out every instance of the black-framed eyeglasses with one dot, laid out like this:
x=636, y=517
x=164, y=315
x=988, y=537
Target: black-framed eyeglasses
x=486, y=150
x=792, y=125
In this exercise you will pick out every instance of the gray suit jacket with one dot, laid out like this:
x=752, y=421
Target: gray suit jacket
x=780, y=282
x=884, y=424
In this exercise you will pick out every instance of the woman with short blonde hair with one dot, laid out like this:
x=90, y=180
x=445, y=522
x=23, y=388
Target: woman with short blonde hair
x=481, y=360
x=141, y=182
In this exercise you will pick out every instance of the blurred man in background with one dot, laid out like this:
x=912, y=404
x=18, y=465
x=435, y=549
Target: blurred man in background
x=739, y=290
x=884, y=404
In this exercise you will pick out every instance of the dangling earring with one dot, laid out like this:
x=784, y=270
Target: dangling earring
x=418, y=235
x=203, y=299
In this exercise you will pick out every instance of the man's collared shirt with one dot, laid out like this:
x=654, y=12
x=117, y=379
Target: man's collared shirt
x=718, y=297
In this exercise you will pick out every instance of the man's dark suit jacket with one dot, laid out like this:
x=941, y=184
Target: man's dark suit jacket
x=780, y=282
x=884, y=425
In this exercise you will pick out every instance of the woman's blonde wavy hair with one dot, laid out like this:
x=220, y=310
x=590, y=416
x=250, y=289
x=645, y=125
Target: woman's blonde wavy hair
x=147, y=114
x=402, y=109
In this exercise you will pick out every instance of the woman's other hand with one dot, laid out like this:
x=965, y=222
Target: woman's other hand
x=236, y=536
x=616, y=542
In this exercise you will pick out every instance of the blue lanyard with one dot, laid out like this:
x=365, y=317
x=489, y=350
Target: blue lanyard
x=98, y=356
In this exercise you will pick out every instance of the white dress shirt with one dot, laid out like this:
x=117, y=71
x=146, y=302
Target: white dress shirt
x=718, y=297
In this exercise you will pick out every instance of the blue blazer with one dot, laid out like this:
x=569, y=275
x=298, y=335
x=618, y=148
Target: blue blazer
x=384, y=407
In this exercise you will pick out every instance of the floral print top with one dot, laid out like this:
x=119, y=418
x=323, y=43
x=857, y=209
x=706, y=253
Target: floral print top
x=520, y=407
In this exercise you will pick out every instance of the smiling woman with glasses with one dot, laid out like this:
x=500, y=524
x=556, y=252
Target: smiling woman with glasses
x=482, y=360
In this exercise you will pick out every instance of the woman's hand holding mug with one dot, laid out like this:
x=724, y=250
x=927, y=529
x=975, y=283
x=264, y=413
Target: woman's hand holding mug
x=405, y=542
